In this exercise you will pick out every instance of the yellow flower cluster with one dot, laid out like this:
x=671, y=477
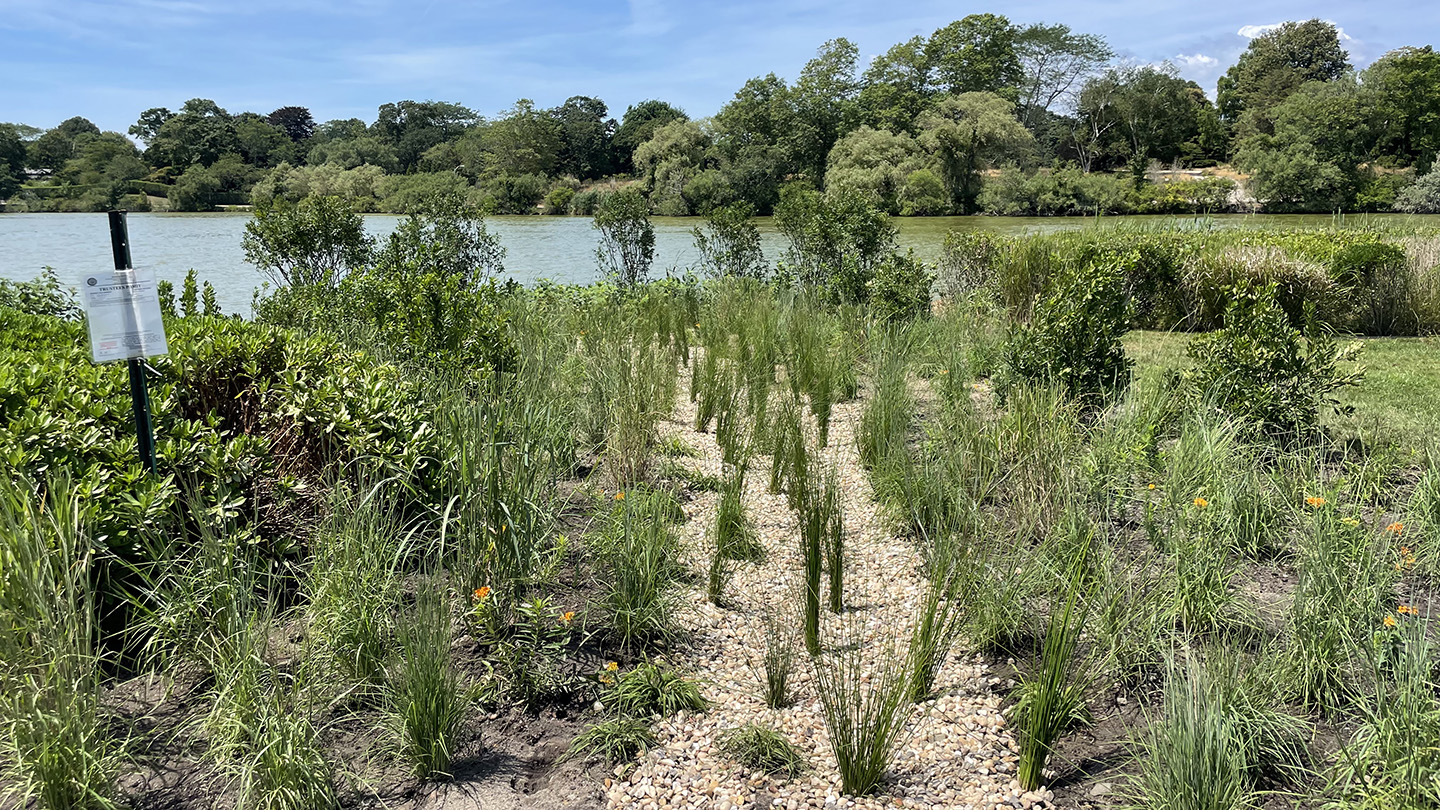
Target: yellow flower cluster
x=1201, y=503
x=1315, y=501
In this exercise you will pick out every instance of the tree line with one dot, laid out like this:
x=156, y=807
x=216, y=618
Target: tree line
x=984, y=115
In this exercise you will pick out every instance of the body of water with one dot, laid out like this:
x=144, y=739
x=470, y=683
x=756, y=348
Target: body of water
x=558, y=248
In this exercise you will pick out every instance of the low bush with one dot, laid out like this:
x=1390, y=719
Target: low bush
x=1074, y=339
x=1262, y=370
x=762, y=749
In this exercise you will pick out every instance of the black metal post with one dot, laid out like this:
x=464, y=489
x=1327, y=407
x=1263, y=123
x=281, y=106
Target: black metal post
x=139, y=392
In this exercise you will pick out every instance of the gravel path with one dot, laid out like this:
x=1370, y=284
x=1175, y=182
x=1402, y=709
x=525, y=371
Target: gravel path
x=958, y=752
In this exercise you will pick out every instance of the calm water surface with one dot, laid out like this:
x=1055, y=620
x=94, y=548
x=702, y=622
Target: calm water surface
x=558, y=248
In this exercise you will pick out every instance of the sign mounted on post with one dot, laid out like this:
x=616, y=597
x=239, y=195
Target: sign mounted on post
x=123, y=310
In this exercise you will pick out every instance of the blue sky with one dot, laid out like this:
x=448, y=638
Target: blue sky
x=110, y=59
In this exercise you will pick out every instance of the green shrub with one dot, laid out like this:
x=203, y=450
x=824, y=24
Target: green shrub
x=762, y=749
x=655, y=689
x=1377, y=278
x=900, y=289
x=627, y=239
x=1269, y=374
x=729, y=245
x=44, y=295
x=1074, y=339
x=617, y=740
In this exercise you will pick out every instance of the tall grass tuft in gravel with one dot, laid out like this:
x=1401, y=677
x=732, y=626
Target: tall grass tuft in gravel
x=864, y=697
x=55, y=749
x=1052, y=698
x=953, y=575
x=777, y=663
x=821, y=521
x=425, y=707
x=834, y=543
x=885, y=421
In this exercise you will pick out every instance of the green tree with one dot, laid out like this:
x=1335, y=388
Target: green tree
x=750, y=134
x=824, y=101
x=978, y=53
x=413, y=127
x=1404, y=82
x=876, y=163
x=1132, y=115
x=199, y=134
x=104, y=158
x=895, y=88
x=1275, y=65
x=971, y=132
x=1054, y=62
x=261, y=143
x=12, y=160
x=1323, y=134
x=836, y=239
x=194, y=190
x=729, y=244
x=347, y=153
x=667, y=163
x=444, y=235
x=638, y=125
x=51, y=150
x=296, y=122
x=310, y=244
x=524, y=140
x=585, y=133
x=148, y=127
x=627, y=239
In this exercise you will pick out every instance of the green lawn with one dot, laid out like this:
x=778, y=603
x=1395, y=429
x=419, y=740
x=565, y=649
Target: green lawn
x=1399, y=397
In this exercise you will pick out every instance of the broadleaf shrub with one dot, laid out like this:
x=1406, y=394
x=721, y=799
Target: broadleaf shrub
x=1260, y=369
x=1073, y=340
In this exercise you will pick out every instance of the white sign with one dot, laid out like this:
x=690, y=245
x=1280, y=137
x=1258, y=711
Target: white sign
x=123, y=309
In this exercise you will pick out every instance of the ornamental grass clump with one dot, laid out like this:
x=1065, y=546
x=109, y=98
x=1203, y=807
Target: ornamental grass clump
x=426, y=708
x=1391, y=761
x=777, y=663
x=865, y=701
x=640, y=596
x=1193, y=757
x=616, y=739
x=655, y=688
x=57, y=749
x=1052, y=697
x=764, y=749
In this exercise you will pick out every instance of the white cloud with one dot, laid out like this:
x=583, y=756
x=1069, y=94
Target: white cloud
x=1196, y=61
x=1253, y=31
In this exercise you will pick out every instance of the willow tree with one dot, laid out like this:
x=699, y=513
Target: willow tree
x=969, y=133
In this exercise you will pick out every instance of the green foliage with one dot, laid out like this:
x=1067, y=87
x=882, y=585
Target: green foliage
x=57, y=750
x=1261, y=370
x=44, y=295
x=1074, y=338
x=836, y=239
x=900, y=289
x=655, y=689
x=616, y=740
x=730, y=243
x=1052, y=696
x=425, y=706
x=312, y=243
x=864, y=699
x=762, y=749
x=627, y=239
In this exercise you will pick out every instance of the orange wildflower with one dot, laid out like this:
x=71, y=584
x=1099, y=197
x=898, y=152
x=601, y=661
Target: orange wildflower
x=567, y=616
x=482, y=593
x=1403, y=609
x=1389, y=621
x=1315, y=501
x=611, y=665
x=619, y=496
x=1201, y=503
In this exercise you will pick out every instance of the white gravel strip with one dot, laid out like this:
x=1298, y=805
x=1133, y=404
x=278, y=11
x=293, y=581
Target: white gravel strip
x=958, y=753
